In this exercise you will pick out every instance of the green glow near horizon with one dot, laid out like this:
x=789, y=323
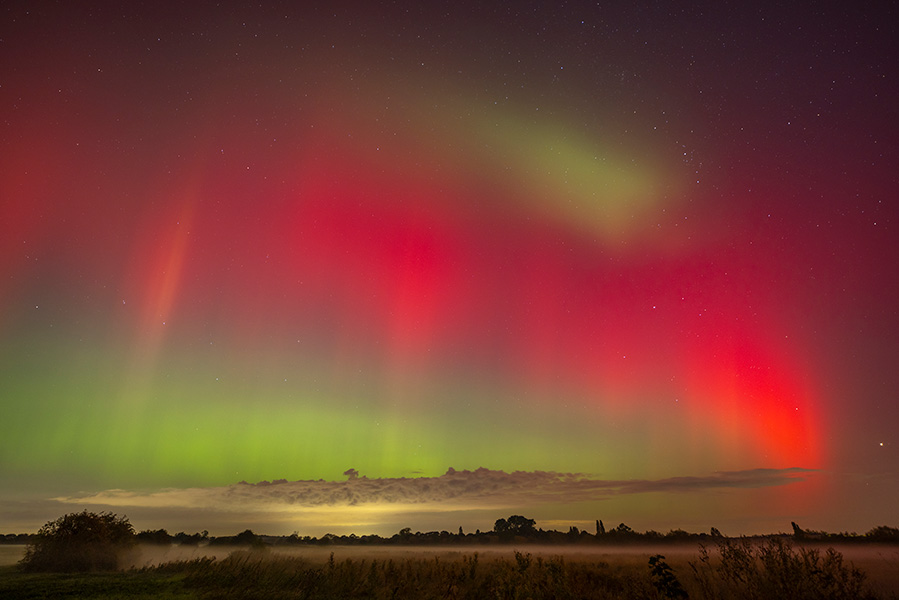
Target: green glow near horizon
x=185, y=428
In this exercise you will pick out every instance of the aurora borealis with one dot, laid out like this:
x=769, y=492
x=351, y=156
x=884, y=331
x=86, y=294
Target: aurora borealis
x=629, y=261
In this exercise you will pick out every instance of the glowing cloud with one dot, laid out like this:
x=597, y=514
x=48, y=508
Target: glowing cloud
x=482, y=488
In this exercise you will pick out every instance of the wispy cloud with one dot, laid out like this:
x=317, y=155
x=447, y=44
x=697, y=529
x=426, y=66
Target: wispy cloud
x=480, y=488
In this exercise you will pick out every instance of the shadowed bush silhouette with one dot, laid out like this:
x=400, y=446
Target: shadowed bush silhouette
x=80, y=542
x=664, y=579
x=883, y=534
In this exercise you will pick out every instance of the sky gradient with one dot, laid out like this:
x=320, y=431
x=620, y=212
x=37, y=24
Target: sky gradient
x=632, y=262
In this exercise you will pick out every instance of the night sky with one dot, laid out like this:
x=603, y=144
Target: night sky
x=377, y=265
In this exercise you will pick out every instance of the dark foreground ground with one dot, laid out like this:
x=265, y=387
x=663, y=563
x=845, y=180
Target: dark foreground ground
x=735, y=571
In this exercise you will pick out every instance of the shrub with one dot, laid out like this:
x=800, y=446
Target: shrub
x=80, y=542
x=664, y=579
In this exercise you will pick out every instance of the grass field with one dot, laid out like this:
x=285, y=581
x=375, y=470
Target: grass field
x=439, y=572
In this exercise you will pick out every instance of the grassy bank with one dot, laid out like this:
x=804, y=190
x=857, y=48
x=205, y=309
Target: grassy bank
x=146, y=585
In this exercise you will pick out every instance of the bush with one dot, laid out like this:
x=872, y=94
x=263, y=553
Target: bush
x=664, y=579
x=80, y=542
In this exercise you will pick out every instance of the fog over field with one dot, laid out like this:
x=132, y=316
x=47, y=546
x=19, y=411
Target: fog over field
x=146, y=555
x=149, y=555
x=879, y=563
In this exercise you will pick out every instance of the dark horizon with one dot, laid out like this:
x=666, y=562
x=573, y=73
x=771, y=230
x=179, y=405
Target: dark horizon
x=516, y=529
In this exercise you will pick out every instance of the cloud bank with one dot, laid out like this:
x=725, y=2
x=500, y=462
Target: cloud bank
x=481, y=488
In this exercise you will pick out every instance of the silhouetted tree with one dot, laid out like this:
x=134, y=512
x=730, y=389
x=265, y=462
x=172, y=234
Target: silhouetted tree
x=501, y=526
x=246, y=537
x=82, y=541
x=623, y=529
x=678, y=534
x=521, y=525
x=515, y=525
x=883, y=534
x=157, y=536
x=190, y=539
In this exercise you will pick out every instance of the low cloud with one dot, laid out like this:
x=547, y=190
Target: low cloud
x=481, y=488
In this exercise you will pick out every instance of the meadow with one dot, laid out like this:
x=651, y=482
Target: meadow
x=731, y=569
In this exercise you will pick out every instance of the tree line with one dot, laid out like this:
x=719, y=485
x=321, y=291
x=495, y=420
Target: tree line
x=513, y=529
x=89, y=541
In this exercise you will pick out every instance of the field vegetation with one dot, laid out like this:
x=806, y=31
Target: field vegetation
x=735, y=569
x=96, y=556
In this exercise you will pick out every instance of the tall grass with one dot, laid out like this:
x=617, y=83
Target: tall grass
x=255, y=575
x=746, y=571
x=734, y=569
